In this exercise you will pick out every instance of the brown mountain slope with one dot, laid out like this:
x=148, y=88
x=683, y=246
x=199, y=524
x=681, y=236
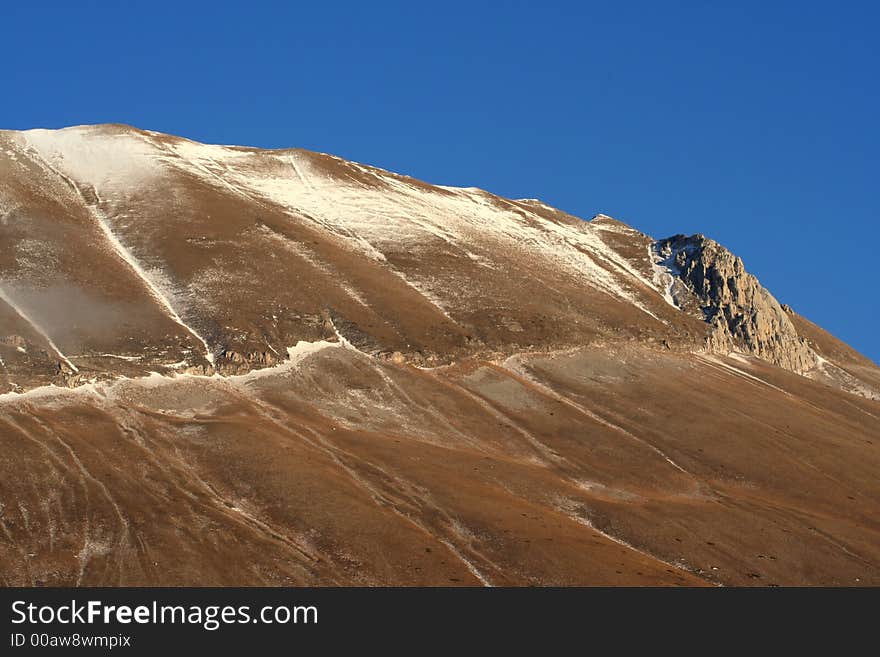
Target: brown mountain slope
x=279, y=367
x=616, y=465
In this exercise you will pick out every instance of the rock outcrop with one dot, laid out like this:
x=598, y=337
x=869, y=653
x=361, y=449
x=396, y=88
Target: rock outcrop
x=741, y=313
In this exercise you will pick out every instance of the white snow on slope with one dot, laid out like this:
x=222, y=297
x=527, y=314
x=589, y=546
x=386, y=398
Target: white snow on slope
x=296, y=356
x=154, y=288
x=130, y=359
x=825, y=369
x=75, y=159
x=664, y=278
x=720, y=364
x=394, y=212
x=371, y=210
x=97, y=156
x=24, y=315
x=538, y=202
x=321, y=265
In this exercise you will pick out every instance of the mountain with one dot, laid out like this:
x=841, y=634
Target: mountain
x=222, y=365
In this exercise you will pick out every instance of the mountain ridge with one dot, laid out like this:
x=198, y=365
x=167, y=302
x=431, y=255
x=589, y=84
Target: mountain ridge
x=609, y=252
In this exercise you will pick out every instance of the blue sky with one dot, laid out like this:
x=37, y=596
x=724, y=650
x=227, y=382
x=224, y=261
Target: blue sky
x=756, y=124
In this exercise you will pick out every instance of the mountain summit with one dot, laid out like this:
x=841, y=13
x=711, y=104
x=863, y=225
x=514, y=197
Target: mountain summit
x=227, y=365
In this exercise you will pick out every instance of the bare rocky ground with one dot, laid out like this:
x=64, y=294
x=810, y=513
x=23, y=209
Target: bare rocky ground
x=226, y=366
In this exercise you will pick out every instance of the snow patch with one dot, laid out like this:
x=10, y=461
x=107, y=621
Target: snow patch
x=99, y=156
x=131, y=359
x=664, y=273
x=395, y=213
x=296, y=355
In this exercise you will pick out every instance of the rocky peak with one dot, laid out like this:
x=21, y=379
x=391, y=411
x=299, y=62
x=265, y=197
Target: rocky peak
x=741, y=313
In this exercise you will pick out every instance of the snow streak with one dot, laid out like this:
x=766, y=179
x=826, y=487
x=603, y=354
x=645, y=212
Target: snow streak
x=126, y=255
x=21, y=313
x=155, y=292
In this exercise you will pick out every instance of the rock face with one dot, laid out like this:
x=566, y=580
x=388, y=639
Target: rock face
x=741, y=313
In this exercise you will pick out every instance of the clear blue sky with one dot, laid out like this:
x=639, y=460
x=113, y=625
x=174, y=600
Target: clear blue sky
x=756, y=124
